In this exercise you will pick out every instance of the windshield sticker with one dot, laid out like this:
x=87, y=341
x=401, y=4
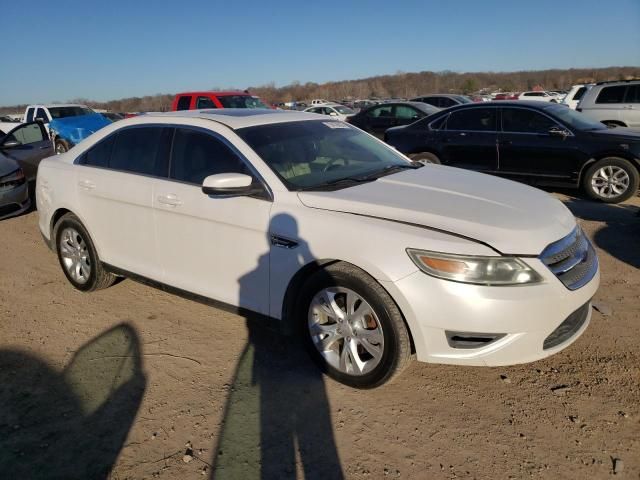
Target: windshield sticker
x=336, y=124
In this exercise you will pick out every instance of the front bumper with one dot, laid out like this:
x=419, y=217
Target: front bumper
x=14, y=201
x=520, y=317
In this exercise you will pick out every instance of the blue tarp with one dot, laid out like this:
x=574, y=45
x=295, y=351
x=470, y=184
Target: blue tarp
x=76, y=129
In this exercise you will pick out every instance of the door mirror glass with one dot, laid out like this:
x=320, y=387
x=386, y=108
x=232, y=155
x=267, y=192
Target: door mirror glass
x=229, y=184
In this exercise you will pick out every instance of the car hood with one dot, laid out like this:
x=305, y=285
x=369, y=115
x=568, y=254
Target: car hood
x=7, y=165
x=618, y=133
x=510, y=217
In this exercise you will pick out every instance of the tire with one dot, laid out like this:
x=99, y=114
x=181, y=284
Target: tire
x=379, y=325
x=79, y=256
x=425, y=157
x=61, y=146
x=624, y=173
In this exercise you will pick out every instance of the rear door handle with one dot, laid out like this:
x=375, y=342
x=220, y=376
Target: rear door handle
x=86, y=185
x=170, y=200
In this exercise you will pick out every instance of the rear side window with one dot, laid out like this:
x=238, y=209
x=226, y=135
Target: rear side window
x=611, y=94
x=196, y=155
x=30, y=114
x=386, y=111
x=205, y=102
x=633, y=94
x=405, y=112
x=140, y=150
x=521, y=120
x=475, y=119
x=98, y=155
x=184, y=102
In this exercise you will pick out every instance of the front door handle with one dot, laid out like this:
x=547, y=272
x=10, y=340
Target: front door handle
x=86, y=184
x=170, y=200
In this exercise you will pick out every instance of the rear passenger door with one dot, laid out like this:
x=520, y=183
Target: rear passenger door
x=469, y=139
x=212, y=246
x=115, y=182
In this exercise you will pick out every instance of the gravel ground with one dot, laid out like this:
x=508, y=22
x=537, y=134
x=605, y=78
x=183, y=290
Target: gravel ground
x=132, y=382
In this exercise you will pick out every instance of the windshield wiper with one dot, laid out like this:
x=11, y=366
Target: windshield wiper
x=346, y=182
x=389, y=169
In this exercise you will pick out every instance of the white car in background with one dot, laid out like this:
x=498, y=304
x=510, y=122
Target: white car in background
x=318, y=101
x=576, y=92
x=315, y=223
x=538, y=96
x=335, y=110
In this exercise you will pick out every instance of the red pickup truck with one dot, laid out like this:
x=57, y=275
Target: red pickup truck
x=230, y=99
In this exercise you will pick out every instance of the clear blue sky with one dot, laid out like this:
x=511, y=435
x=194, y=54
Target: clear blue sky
x=65, y=49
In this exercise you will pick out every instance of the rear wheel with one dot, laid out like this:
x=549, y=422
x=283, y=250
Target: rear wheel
x=352, y=328
x=425, y=157
x=611, y=180
x=77, y=256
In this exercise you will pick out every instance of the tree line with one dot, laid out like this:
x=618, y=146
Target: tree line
x=399, y=85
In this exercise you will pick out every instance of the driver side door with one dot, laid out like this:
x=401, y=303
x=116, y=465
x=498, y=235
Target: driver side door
x=27, y=144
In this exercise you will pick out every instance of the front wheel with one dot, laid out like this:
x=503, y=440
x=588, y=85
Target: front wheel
x=352, y=328
x=61, y=146
x=611, y=180
x=425, y=157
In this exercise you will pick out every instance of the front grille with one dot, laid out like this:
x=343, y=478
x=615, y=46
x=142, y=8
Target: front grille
x=572, y=259
x=568, y=328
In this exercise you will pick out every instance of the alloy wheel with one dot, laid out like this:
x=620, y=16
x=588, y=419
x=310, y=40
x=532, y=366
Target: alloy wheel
x=610, y=181
x=346, y=331
x=75, y=255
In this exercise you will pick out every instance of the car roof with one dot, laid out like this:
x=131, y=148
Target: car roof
x=506, y=103
x=51, y=105
x=217, y=94
x=236, y=118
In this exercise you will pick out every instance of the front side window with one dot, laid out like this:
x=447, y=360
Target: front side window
x=521, y=120
x=473, y=119
x=313, y=154
x=184, y=102
x=27, y=134
x=137, y=150
x=196, y=155
x=611, y=94
x=205, y=102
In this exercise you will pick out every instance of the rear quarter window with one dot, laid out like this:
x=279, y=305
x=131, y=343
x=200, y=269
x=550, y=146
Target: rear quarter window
x=611, y=95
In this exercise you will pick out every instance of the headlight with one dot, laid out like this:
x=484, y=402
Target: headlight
x=14, y=179
x=472, y=269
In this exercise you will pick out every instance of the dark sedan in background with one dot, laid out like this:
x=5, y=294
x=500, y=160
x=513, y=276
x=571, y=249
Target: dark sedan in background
x=379, y=118
x=21, y=150
x=540, y=143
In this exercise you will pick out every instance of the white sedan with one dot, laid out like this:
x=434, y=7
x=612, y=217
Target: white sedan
x=340, y=112
x=312, y=222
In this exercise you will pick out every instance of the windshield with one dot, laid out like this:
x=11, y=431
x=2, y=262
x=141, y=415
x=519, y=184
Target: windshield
x=575, y=119
x=309, y=154
x=344, y=110
x=464, y=99
x=241, y=101
x=63, y=112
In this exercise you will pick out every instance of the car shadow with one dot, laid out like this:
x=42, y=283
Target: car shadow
x=277, y=417
x=620, y=231
x=72, y=423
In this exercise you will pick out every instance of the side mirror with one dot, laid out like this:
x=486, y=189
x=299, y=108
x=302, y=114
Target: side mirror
x=10, y=144
x=229, y=185
x=559, y=132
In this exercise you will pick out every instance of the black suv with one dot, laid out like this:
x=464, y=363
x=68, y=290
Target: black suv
x=544, y=144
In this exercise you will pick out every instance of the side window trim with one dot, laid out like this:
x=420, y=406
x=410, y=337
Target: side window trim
x=560, y=124
x=244, y=160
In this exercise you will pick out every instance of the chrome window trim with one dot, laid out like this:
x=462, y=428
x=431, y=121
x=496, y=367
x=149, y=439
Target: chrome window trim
x=168, y=178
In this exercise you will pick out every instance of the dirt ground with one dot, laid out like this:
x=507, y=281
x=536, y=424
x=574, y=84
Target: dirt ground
x=132, y=382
